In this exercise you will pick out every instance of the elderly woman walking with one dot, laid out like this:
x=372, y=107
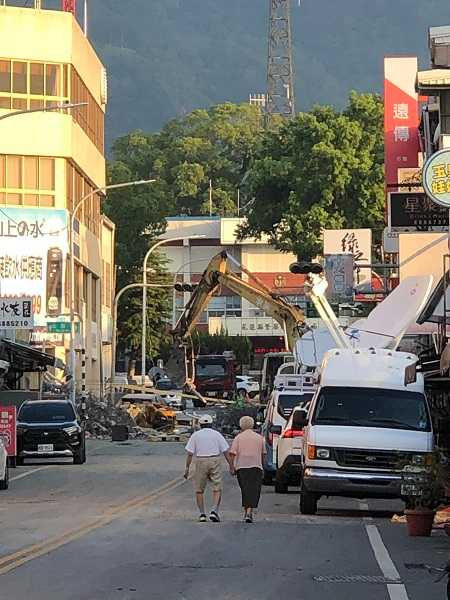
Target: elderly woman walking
x=247, y=452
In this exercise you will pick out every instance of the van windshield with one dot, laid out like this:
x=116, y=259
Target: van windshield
x=205, y=370
x=371, y=407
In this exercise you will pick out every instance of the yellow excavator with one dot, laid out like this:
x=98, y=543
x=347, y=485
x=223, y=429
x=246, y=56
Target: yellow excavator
x=218, y=273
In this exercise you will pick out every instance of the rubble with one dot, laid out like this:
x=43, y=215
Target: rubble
x=101, y=417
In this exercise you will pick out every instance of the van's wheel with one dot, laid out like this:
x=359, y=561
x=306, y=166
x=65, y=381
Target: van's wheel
x=4, y=483
x=308, y=503
x=281, y=487
x=12, y=461
x=267, y=478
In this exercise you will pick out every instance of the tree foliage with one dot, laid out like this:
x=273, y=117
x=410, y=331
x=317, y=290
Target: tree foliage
x=218, y=343
x=321, y=169
x=214, y=144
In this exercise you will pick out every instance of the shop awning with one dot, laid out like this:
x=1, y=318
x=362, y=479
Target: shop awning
x=28, y=359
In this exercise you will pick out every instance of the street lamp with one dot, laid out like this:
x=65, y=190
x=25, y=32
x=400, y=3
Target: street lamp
x=72, y=262
x=144, y=293
x=114, y=322
x=62, y=106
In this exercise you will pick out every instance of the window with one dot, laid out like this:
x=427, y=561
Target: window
x=14, y=172
x=85, y=286
x=31, y=172
x=5, y=76
x=52, y=80
x=372, y=407
x=19, y=78
x=77, y=187
x=94, y=299
x=30, y=85
x=91, y=118
x=27, y=180
x=37, y=412
x=37, y=79
x=106, y=283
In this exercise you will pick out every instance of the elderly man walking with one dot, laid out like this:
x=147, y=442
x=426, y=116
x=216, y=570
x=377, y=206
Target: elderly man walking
x=207, y=445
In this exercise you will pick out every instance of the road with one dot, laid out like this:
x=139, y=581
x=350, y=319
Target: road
x=124, y=527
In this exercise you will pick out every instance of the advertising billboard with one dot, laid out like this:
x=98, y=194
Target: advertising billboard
x=339, y=274
x=436, y=177
x=414, y=211
x=33, y=251
x=16, y=313
x=69, y=6
x=401, y=117
x=357, y=242
x=8, y=430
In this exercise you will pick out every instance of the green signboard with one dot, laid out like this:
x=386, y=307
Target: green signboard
x=58, y=327
x=436, y=177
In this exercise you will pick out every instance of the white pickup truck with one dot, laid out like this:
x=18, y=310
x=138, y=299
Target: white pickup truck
x=369, y=414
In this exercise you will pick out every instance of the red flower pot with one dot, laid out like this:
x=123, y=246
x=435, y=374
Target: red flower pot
x=419, y=521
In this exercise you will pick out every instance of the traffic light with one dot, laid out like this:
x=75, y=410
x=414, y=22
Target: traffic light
x=305, y=268
x=185, y=287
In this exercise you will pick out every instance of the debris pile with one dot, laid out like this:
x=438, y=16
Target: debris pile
x=101, y=417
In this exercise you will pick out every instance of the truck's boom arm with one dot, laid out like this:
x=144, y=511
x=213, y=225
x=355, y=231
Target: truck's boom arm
x=218, y=272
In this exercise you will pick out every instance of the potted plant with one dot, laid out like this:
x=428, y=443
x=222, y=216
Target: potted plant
x=422, y=491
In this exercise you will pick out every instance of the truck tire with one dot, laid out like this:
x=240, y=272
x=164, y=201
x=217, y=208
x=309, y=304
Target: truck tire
x=267, y=478
x=308, y=503
x=4, y=483
x=281, y=487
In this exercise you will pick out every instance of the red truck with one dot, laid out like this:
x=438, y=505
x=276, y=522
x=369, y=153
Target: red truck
x=215, y=375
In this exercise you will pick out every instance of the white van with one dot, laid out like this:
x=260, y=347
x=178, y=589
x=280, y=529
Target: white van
x=368, y=414
x=291, y=388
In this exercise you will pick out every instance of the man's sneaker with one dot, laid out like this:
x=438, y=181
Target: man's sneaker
x=214, y=517
x=248, y=519
x=202, y=518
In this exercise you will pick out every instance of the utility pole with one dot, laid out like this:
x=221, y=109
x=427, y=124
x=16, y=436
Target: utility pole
x=280, y=69
x=210, y=198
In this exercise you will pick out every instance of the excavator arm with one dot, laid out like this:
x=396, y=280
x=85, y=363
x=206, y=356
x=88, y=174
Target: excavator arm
x=219, y=272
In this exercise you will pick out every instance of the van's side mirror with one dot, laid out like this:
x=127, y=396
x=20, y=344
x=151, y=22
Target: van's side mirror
x=276, y=429
x=299, y=420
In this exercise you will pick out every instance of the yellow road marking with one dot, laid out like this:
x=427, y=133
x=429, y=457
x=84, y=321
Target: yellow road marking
x=12, y=561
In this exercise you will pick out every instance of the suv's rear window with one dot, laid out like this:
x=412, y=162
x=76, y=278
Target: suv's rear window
x=46, y=413
x=287, y=403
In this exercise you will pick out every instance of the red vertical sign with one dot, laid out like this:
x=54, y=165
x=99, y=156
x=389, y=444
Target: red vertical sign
x=69, y=6
x=401, y=117
x=8, y=429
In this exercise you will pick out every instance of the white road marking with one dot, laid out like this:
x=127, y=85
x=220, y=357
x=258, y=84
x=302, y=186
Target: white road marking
x=22, y=475
x=397, y=591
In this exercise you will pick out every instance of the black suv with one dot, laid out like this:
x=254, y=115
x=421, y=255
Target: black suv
x=50, y=429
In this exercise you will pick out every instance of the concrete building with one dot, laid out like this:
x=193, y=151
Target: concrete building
x=49, y=161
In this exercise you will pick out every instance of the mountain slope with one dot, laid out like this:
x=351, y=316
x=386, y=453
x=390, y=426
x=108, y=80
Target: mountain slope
x=166, y=57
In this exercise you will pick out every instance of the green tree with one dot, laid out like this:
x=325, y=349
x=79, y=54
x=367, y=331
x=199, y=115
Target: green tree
x=139, y=217
x=322, y=169
x=218, y=343
x=214, y=144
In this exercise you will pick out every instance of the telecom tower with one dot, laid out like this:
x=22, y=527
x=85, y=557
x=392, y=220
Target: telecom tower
x=280, y=69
